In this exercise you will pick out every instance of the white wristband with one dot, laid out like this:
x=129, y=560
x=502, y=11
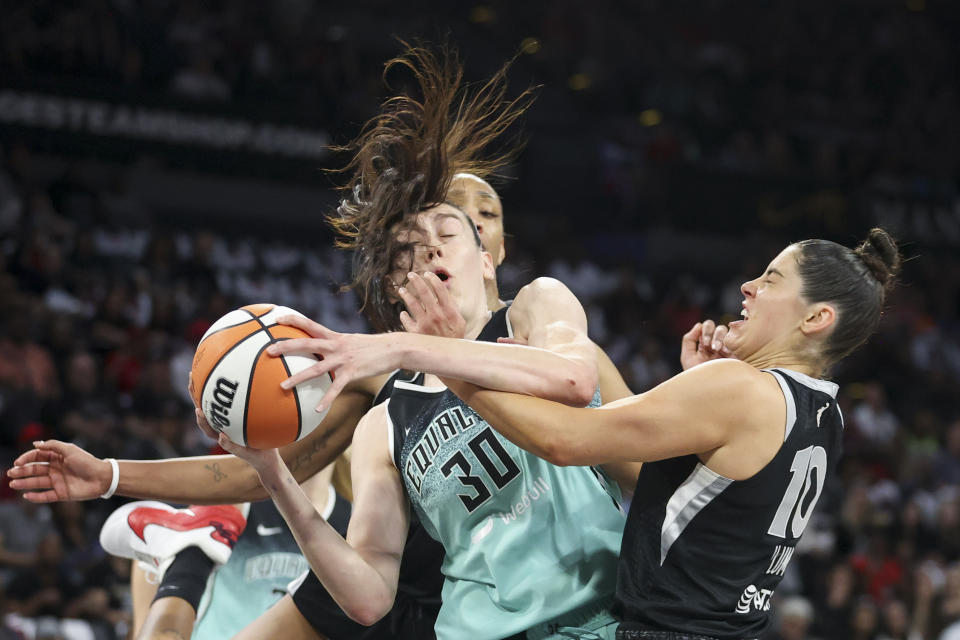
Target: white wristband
x=113, y=481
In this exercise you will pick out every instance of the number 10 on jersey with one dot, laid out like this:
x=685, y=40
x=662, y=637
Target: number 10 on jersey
x=807, y=472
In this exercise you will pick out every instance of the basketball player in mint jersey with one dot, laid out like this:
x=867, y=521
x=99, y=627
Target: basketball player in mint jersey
x=530, y=547
x=263, y=563
x=735, y=452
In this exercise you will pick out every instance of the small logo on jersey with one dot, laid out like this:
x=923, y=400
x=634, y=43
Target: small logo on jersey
x=268, y=531
x=754, y=598
x=531, y=495
x=820, y=413
x=483, y=530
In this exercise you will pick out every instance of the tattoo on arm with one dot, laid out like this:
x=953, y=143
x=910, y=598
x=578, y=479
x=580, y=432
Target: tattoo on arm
x=320, y=442
x=218, y=475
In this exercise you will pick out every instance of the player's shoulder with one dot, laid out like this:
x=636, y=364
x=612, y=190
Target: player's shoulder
x=727, y=378
x=372, y=419
x=371, y=436
x=543, y=294
x=542, y=286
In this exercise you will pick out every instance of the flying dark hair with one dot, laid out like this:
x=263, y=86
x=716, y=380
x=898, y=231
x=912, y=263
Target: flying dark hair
x=404, y=161
x=854, y=281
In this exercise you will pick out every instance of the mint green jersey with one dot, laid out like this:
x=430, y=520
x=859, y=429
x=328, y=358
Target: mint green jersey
x=526, y=541
x=264, y=561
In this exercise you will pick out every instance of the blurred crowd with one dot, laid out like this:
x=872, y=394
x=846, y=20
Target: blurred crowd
x=858, y=96
x=104, y=304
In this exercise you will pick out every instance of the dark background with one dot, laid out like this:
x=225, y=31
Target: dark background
x=162, y=162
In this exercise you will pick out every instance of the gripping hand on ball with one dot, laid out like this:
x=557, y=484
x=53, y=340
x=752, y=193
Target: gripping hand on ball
x=345, y=356
x=260, y=459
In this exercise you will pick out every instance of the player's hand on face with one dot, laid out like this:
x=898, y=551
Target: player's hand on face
x=702, y=343
x=346, y=356
x=55, y=471
x=429, y=308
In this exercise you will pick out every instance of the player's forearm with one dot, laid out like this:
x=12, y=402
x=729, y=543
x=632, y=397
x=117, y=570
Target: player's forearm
x=353, y=578
x=199, y=480
x=503, y=367
x=228, y=479
x=546, y=429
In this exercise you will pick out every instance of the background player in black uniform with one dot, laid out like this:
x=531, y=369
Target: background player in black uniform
x=736, y=450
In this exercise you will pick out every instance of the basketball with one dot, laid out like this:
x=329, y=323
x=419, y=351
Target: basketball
x=237, y=384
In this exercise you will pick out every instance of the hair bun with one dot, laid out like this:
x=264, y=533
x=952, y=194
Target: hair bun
x=881, y=255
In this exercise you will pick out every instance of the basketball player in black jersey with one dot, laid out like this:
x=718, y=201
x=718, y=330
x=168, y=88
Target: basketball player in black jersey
x=734, y=452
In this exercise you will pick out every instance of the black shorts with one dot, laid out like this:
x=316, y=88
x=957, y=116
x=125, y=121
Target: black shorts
x=410, y=618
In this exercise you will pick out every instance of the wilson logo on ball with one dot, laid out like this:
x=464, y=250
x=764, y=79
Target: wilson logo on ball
x=237, y=384
x=222, y=401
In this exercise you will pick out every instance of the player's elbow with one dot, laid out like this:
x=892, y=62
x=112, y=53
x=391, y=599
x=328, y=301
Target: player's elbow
x=579, y=386
x=559, y=451
x=369, y=612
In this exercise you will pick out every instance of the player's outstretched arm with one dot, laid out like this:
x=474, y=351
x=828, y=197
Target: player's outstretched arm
x=360, y=573
x=696, y=411
x=57, y=471
x=559, y=363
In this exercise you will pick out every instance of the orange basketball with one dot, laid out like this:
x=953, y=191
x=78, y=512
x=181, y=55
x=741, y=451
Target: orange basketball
x=237, y=385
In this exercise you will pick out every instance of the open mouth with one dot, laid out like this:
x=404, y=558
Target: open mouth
x=442, y=274
x=744, y=316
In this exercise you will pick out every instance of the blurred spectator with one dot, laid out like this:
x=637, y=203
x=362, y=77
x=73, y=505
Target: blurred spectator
x=794, y=614
x=873, y=419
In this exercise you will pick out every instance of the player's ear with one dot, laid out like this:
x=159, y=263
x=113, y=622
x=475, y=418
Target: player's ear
x=819, y=319
x=489, y=270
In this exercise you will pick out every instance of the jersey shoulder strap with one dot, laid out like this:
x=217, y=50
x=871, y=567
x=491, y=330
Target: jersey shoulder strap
x=400, y=375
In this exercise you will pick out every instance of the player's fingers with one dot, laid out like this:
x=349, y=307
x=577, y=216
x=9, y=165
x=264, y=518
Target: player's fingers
x=426, y=299
x=204, y=426
x=56, y=447
x=718, y=337
x=34, y=455
x=332, y=392
x=706, y=333
x=445, y=303
x=434, y=286
x=315, y=329
x=29, y=470
x=411, y=301
x=408, y=323
x=692, y=337
x=34, y=482
x=299, y=346
x=41, y=497
x=311, y=372
x=229, y=445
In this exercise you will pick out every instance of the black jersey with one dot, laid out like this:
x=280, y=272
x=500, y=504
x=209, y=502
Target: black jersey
x=702, y=554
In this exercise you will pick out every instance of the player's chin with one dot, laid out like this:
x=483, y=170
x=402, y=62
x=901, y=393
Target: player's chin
x=734, y=339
